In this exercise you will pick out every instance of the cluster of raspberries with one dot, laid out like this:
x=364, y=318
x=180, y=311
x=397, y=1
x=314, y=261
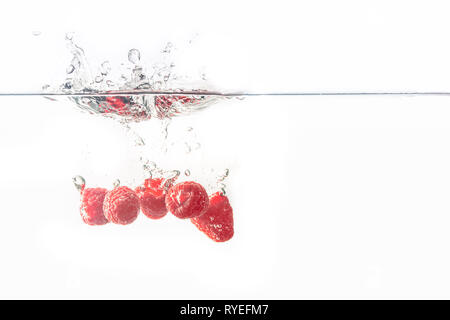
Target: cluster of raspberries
x=212, y=215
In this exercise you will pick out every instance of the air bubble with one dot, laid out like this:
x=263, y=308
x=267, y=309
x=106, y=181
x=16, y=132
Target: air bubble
x=187, y=172
x=85, y=100
x=105, y=68
x=76, y=62
x=70, y=69
x=222, y=187
x=224, y=175
x=188, y=147
x=134, y=56
x=139, y=141
x=174, y=174
x=116, y=183
x=68, y=84
x=79, y=182
x=69, y=35
x=168, y=47
x=36, y=33
x=98, y=79
x=149, y=166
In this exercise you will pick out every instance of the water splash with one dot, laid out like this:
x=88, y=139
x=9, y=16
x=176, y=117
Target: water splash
x=134, y=78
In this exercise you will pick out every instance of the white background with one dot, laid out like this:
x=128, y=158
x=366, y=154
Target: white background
x=334, y=197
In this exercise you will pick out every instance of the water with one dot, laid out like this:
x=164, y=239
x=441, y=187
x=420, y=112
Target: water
x=154, y=95
x=137, y=90
x=140, y=105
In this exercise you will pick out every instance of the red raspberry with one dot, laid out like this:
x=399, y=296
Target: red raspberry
x=152, y=197
x=167, y=101
x=118, y=104
x=121, y=205
x=163, y=104
x=92, y=206
x=217, y=222
x=187, y=200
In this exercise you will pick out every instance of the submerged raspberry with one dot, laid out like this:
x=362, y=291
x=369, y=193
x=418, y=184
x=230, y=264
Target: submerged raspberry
x=152, y=198
x=117, y=103
x=164, y=104
x=217, y=221
x=187, y=200
x=92, y=206
x=121, y=205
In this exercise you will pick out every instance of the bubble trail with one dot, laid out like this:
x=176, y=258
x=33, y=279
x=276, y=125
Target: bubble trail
x=79, y=182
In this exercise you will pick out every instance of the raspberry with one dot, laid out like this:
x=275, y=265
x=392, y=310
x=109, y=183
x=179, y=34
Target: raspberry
x=118, y=104
x=92, y=206
x=217, y=221
x=121, y=205
x=152, y=198
x=167, y=101
x=163, y=104
x=187, y=200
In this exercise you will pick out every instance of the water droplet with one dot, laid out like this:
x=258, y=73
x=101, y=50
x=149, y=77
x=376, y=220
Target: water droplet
x=70, y=69
x=69, y=35
x=134, y=56
x=172, y=175
x=76, y=62
x=110, y=83
x=187, y=172
x=168, y=47
x=116, y=183
x=224, y=175
x=68, y=84
x=79, y=182
x=99, y=78
x=148, y=174
x=85, y=100
x=144, y=160
x=36, y=33
x=222, y=187
x=150, y=165
x=139, y=141
x=105, y=68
